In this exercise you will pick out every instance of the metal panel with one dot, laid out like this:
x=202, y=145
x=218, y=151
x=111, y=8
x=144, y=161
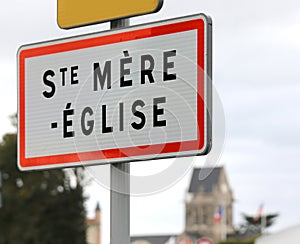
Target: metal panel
x=78, y=13
x=185, y=105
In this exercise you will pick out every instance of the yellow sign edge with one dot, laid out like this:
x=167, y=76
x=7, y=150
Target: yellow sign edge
x=158, y=7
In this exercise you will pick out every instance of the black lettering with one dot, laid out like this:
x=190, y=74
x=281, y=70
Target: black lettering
x=169, y=65
x=139, y=114
x=147, y=71
x=49, y=83
x=102, y=77
x=74, y=75
x=158, y=111
x=125, y=71
x=105, y=128
x=121, y=116
x=66, y=123
x=63, y=76
x=87, y=127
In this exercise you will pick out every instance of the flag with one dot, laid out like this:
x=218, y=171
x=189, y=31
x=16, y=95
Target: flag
x=218, y=214
x=259, y=212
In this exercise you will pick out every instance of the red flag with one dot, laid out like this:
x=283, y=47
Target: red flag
x=259, y=212
x=218, y=215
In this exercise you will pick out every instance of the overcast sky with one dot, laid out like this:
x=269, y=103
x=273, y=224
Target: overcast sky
x=256, y=57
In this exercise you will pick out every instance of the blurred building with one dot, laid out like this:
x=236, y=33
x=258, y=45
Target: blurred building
x=208, y=210
x=93, y=231
x=209, y=205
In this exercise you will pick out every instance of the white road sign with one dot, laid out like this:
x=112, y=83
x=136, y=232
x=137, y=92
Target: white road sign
x=138, y=93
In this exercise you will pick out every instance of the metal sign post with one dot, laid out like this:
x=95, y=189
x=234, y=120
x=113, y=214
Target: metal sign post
x=120, y=204
x=120, y=188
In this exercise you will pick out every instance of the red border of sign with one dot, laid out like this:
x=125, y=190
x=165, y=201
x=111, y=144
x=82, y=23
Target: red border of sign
x=56, y=160
x=204, y=239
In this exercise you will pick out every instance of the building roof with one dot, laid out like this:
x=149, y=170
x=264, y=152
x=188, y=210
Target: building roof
x=98, y=207
x=91, y=221
x=159, y=239
x=206, y=178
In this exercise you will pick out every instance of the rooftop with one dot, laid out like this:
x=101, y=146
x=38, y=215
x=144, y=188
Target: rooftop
x=206, y=178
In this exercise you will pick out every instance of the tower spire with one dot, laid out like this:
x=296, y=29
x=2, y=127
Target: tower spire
x=98, y=207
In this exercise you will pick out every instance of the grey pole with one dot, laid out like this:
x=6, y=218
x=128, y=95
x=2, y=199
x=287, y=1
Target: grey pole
x=120, y=188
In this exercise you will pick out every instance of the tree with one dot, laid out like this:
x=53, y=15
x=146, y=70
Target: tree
x=39, y=207
x=253, y=225
x=250, y=229
x=258, y=221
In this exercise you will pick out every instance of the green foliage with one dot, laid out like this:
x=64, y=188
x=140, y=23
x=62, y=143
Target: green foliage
x=236, y=241
x=269, y=219
x=253, y=225
x=39, y=207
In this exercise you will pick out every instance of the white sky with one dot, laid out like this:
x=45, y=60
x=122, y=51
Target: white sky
x=256, y=56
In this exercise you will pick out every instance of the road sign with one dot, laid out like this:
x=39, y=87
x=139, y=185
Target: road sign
x=133, y=94
x=204, y=241
x=85, y=12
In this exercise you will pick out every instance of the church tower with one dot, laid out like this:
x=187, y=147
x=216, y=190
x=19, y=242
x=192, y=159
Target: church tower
x=93, y=232
x=209, y=203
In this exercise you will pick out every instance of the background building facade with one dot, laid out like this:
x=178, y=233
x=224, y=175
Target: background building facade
x=209, y=210
x=93, y=231
x=209, y=205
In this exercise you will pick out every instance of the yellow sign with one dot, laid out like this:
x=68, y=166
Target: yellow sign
x=75, y=13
